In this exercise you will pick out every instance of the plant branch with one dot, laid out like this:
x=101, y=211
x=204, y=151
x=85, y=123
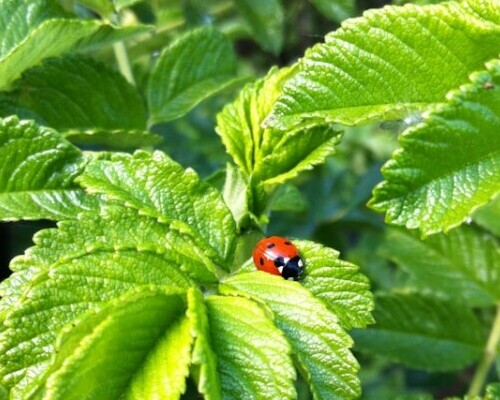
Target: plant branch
x=489, y=355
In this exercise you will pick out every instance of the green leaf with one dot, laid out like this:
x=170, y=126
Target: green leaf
x=384, y=65
x=85, y=100
x=204, y=360
x=339, y=284
x=164, y=373
x=239, y=123
x=266, y=21
x=336, y=10
x=462, y=265
x=288, y=198
x=37, y=169
x=121, y=4
x=235, y=192
x=317, y=340
x=272, y=156
x=102, y=7
x=295, y=153
x=253, y=356
x=156, y=346
x=194, y=67
x=449, y=165
x=423, y=332
x=493, y=391
x=75, y=268
x=488, y=217
x=160, y=188
x=36, y=31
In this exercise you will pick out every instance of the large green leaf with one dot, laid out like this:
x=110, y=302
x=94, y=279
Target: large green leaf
x=423, y=332
x=37, y=169
x=73, y=269
x=339, y=284
x=314, y=333
x=194, y=67
x=449, y=165
x=266, y=21
x=138, y=342
x=31, y=31
x=462, y=265
x=384, y=65
x=139, y=181
x=252, y=354
x=84, y=99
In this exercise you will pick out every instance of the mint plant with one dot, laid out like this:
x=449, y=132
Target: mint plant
x=145, y=288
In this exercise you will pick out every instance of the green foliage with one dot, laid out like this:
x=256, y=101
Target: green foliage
x=265, y=19
x=40, y=30
x=36, y=173
x=191, y=69
x=157, y=227
x=463, y=265
x=313, y=332
x=489, y=216
x=268, y=157
x=253, y=357
x=83, y=99
x=384, y=65
x=145, y=286
x=423, y=332
x=336, y=10
x=453, y=157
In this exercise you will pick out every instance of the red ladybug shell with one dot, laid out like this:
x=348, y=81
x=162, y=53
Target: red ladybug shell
x=278, y=256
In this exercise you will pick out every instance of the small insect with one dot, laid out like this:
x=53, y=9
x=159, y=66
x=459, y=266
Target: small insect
x=278, y=256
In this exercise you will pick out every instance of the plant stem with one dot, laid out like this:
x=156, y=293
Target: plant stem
x=488, y=357
x=123, y=61
x=121, y=53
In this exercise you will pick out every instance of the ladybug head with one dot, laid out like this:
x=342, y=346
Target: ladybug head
x=293, y=269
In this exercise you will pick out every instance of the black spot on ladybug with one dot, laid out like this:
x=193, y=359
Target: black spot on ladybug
x=270, y=246
x=261, y=261
x=288, y=243
x=279, y=262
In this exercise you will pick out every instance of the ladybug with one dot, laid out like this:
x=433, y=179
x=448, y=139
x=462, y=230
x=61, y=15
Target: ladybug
x=278, y=256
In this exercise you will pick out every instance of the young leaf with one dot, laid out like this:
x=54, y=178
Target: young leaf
x=266, y=21
x=272, y=156
x=194, y=67
x=139, y=181
x=40, y=32
x=384, y=65
x=76, y=267
x=37, y=169
x=317, y=340
x=144, y=332
x=252, y=354
x=423, y=332
x=295, y=153
x=339, y=284
x=463, y=265
x=449, y=165
x=84, y=99
x=336, y=10
x=488, y=216
x=204, y=360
